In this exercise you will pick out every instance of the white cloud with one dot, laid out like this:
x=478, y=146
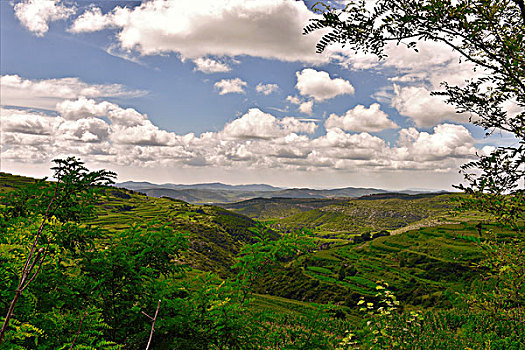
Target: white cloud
x=425, y=110
x=360, y=118
x=85, y=130
x=128, y=127
x=266, y=89
x=448, y=140
x=319, y=85
x=21, y=122
x=110, y=134
x=420, y=73
x=35, y=15
x=306, y=107
x=263, y=28
x=338, y=139
x=259, y=125
x=416, y=75
x=294, y=99
x=46, y=93
x=512, y=108
x=230, y=86
x=433, y=64
x=92, y=20
x=208, y=65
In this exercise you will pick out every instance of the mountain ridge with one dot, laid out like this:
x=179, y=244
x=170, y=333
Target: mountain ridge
x=217, y=192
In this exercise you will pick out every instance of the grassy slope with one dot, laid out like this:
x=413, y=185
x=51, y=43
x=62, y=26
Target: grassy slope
x=422, y=265
x=425, y=267
x=346, y=218
x=215, y=234
x=9, y=182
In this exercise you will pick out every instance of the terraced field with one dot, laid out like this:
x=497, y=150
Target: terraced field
x=345, y=218
x=424, y=267
x=215, y=234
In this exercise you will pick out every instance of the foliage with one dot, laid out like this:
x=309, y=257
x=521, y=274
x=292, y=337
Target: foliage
x=502, y=295
x=51, y=308
x=129, y=275
x=380, y=322
x=99, y=278
x=70, y=199
x=488, y=33
x=261, y=257
x=387, y=328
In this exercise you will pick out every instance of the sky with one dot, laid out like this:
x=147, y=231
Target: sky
x=231, y=91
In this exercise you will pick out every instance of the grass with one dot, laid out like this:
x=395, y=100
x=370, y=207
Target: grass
x=424, y=261
x=420, y=265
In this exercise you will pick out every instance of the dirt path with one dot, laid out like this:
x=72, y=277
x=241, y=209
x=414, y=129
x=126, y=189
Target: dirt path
x=423, y=223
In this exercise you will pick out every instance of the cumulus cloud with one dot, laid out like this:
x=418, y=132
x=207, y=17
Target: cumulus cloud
x=110, y=134
x=420, y=73
x=425, y=110
x=85, y=130
x=304, y=106
x=93, y=20
x=230, y=86
x=35, y=15
x=360, y=118
x=448, y=140
x=208, y=66
x=266, y=89
x=128, y=126
x=263, y=28
x=20, y=122
x=259, y=125
x=416, y=75
x=319, y=86
x=294, y=99
x=46, y=93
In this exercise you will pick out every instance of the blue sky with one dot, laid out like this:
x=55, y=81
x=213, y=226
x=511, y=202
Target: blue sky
x=224, y=90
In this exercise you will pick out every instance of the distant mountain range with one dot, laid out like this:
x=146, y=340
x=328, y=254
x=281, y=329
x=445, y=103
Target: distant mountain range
x=132, y=185
x=222, y=193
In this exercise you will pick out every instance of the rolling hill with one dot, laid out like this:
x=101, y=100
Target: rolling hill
x=343, y=218
x=425, y=266
x=210, y=193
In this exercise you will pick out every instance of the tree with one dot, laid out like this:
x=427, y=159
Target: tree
x=488, y=33
x=129, y=276
x=491, y=35
x=70, y=199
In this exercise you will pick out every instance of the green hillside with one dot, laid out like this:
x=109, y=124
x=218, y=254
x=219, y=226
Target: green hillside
x=343, y=218
x=425, y=267
x=215, y=234
x=279, y=292
x=278, y=208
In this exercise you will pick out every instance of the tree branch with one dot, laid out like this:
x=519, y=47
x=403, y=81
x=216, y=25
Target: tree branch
x=28, y=267
x=79, y=330
x=521, y=5
x=153, y=324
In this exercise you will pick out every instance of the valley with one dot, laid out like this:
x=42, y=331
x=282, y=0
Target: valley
x=418, y=244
